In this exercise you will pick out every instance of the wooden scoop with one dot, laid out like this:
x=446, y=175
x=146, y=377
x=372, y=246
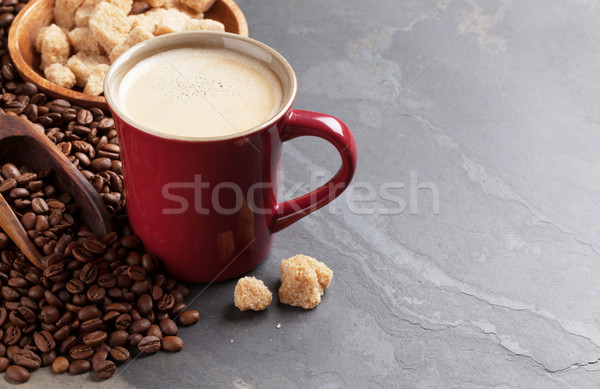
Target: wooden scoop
x=23, y=144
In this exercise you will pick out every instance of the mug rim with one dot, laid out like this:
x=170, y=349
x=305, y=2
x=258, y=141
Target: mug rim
x=168, y=41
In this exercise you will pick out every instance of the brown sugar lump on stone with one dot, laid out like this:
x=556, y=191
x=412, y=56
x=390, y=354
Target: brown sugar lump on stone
x=53, y=44
x=64, y=12
x=60, y=75
x=252, y=294
x=82, y=39
x=95, y=82
x=109, y=26
x=137, y=35
x=303, y=280
x=82, y=64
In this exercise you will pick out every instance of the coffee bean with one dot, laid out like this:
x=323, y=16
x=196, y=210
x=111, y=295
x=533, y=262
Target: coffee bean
x=79, y=366
x=9, y=170
x=12, y=335
x=105, y=369
x=119, y=353
x=100, y=164
x=53, y=300
x=75, y=286
x=118, y=338
x=15, y=372
x=11, y=351
x=39, y=206
x=168, y=327
x=48, y=358
x=189, y=317
x=19, y=193
x=26, y=313
x=165, y=303
x=60, y=365
x=85, y=117
x=3, y=315
x=27, y=359
x=134, y=339
x=88, y=312
x=123, y=322
x=155, y=331
x=89, y=273
x=81, y=351
x=136, y=273
x=130, y=241
x=91, y=325
x=141, y=325
x=44, y=341
x=140, y=287
x=95, y=338
x=149, y=345
x=82, y=255
x=50, y=314
x=10, y=294
x=62, y=333
x=107, y=280
x=96, y=293
x=94, y=246
x=8, y=185
x=144, y=304
x=16, y=319
x=4, y=363
x=99, y=356
x=172, y=343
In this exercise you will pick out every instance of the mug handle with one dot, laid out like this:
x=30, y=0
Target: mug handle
x=301, y=123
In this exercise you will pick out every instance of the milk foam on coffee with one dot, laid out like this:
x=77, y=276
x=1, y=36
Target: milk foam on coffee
x=200, y=92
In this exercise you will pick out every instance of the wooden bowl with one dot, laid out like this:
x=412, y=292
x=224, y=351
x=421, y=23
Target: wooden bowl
x=39, y=13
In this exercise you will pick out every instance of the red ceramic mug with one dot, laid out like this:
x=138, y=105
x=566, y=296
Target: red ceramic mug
x=207, y=207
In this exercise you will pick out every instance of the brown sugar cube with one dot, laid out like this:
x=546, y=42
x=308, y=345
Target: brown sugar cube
x=95, y=82
x=60, y=75
x=53, y=44
x=303, y=280
x=82, y=39
x=109, y=26
x=176, y=4
x=64, y=12
x=143, y=21
x=252, y=294
x=171, y=21
x=198, y=5
x=150, y=19
x=204, y=25
x=122, y=5
x=136, y=36
x=82, y=64
x=83, y=13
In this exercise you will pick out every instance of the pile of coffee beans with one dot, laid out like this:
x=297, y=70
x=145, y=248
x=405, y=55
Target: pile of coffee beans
x=99, y=301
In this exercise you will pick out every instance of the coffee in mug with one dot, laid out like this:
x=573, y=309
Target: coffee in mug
x=200, y=92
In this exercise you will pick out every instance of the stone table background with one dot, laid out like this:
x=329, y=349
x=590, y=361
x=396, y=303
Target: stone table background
x=467, y=253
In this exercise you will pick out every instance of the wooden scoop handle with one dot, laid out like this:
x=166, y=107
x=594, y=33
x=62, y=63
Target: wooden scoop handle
x=14, y=229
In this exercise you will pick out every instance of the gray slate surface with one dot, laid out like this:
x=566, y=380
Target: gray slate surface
x=496, y=288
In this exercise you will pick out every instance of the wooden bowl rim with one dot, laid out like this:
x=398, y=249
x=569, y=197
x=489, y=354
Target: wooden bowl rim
x=79, y=98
